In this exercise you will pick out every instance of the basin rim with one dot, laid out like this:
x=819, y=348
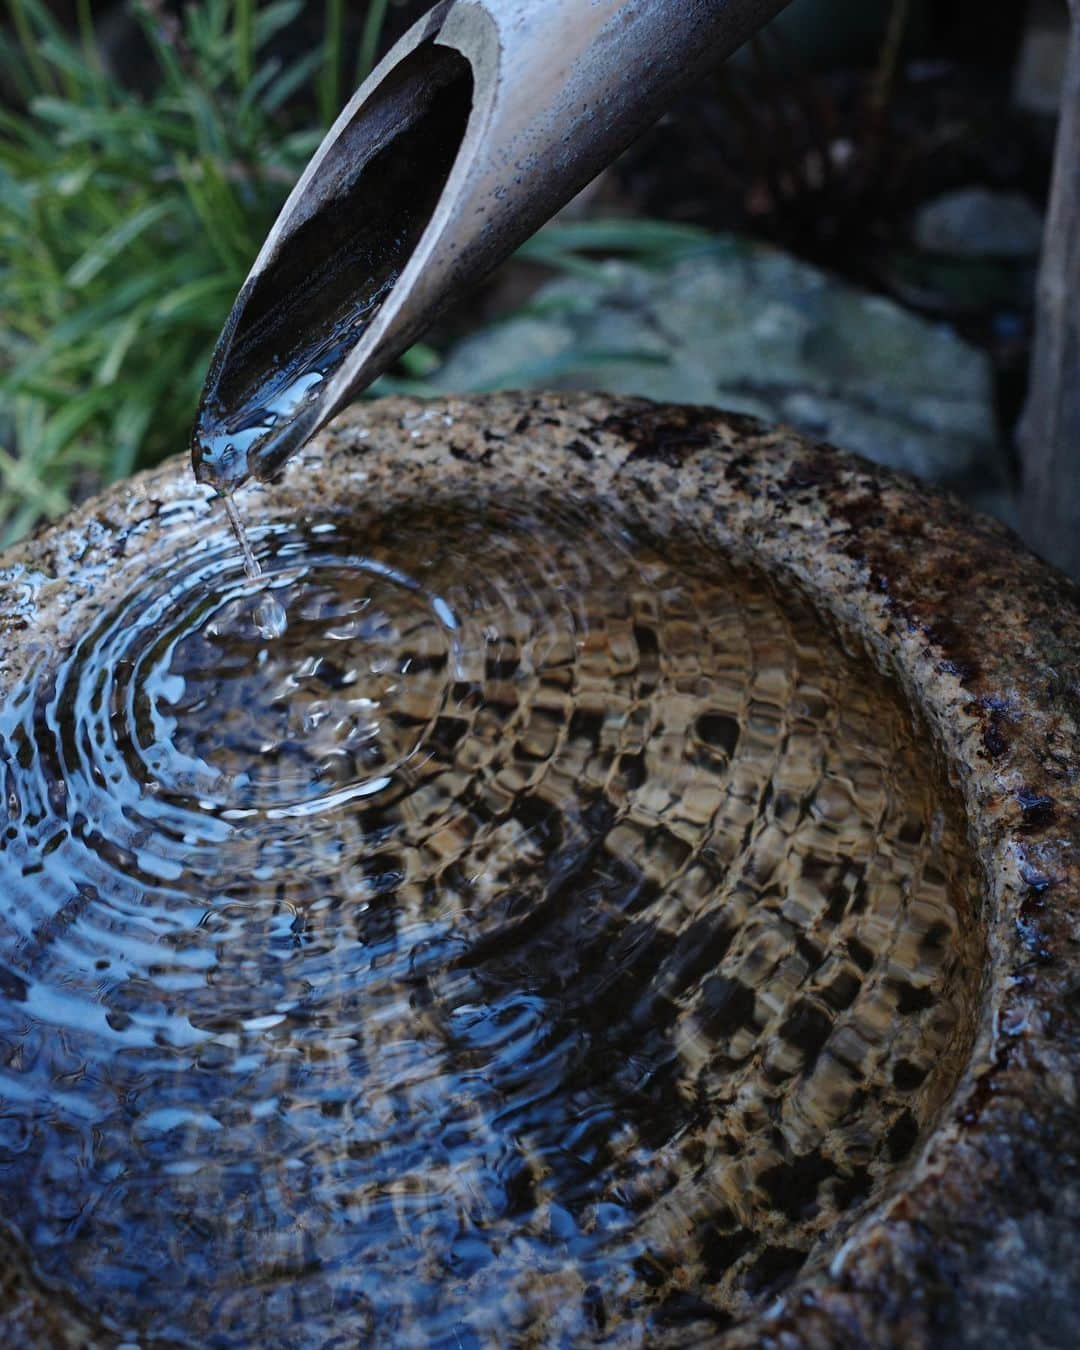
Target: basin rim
x=981, y=1242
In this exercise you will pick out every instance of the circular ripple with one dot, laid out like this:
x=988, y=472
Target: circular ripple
x=547, y=928
x=185, y=697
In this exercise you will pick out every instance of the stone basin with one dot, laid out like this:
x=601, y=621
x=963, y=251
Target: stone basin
x=897, y=1004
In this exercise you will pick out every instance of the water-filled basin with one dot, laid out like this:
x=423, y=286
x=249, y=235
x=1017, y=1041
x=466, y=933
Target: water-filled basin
x=624, y=901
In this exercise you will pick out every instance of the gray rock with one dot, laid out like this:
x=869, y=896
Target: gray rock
x=750, y=329
x=1040, y=65
x=976, y=223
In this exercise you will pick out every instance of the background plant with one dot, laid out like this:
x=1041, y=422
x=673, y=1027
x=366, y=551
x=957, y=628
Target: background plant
x=127, y=222
x=129, y=219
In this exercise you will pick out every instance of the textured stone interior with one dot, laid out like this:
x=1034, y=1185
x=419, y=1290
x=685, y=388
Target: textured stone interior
x=776, y=861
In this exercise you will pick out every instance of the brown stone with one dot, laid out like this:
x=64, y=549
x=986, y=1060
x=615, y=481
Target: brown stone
x=978, y=1241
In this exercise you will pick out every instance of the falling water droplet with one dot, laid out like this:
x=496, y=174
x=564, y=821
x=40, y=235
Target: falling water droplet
x=270, y=618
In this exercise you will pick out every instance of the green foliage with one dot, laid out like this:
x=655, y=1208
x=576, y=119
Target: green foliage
x=572, y=246
x=127, y=224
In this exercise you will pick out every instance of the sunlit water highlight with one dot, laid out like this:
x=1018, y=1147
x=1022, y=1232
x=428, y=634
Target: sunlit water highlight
x=544, y=932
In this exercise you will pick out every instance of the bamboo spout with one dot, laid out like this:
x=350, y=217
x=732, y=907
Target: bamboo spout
x=485, y=119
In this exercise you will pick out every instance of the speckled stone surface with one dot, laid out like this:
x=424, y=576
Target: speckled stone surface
x=978, y=1241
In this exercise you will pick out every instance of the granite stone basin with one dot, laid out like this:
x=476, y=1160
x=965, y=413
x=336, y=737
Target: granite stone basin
x=905, y=1121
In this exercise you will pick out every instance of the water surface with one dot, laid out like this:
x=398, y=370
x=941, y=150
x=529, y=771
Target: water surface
x=546, y=931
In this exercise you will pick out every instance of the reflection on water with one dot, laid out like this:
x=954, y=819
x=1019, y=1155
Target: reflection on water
x=538, y=930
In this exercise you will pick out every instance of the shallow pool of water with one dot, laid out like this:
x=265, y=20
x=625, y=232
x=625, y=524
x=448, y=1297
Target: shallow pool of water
x=545, y=928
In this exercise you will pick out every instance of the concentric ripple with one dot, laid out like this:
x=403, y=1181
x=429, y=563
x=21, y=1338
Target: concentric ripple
x=548, y=933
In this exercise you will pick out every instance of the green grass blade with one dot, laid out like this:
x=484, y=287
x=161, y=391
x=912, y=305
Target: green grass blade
x=27, y=32
x=330, y=77
x=369, y=40
x=244, y=39
x=115, y=241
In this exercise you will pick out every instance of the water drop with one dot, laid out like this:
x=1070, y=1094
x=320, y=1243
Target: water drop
x=270, y=618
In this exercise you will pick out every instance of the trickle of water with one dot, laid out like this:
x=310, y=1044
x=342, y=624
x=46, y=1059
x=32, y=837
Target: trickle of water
x=551, y=932
x=251, y=566
x=268, y=614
